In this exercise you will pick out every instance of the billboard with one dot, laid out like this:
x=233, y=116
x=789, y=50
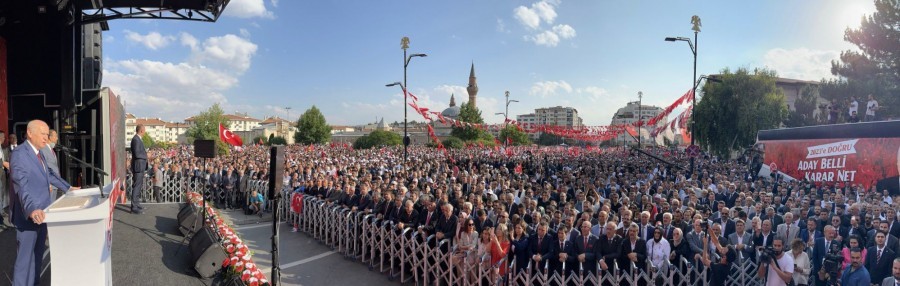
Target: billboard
x=867, y=154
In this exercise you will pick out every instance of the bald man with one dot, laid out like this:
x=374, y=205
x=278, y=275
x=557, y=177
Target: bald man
x=32, y=180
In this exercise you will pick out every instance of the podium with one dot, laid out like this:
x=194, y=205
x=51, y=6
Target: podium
x=78, y=228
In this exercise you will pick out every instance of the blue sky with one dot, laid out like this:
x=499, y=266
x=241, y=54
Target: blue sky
x=265, y=55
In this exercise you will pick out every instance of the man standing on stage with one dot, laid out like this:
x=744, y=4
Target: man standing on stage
x=138, y=168
x=32, y=180
x=52, y=161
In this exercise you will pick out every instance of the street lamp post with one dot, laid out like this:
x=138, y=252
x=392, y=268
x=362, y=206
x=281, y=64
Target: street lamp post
x=640, y=118
x=506, y=113
x=404, y=44
x=695, y=21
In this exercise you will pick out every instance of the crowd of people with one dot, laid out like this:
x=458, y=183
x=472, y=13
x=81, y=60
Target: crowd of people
x=602, y=208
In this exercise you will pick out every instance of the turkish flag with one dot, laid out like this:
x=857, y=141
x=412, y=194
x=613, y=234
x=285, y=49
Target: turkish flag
x=508, y=141
x=228, y=137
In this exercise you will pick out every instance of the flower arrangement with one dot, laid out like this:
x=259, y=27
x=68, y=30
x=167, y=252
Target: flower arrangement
x=239, y=262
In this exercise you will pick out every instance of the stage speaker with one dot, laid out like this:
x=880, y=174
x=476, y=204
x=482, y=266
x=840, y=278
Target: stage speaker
x=276, y=170
x=189, y=221
x=207, y=253
x=205, y=148
x=92, y=56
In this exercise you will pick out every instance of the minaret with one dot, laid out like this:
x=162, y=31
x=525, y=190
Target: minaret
x=452, y=100
x=473, y=86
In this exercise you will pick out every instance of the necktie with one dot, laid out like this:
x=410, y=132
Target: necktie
x=878, y=258
x=562, y=246
x=585, y=243
x=428, y=220
x=539, y=242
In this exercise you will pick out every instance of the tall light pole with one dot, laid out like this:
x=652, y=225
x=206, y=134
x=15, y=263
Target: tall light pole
x=640, y=118
x=506, y=113
x=288, y=108
x=695, y=22
x=404, y=44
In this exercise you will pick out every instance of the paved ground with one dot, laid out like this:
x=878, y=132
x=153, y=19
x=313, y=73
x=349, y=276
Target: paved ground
x=304, y=260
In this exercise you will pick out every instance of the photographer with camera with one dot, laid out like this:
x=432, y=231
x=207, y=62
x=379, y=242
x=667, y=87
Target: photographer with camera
x=826, y=258
x=774, y=265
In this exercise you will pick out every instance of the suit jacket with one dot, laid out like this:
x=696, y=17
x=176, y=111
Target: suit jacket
x=578, y=248
x=542, y=249
x=788, y=232
x=889, y=281
x=30, y=181
x=646, y=235
x=892, y=184
x=138, y=155
x=640, y=248
x=758, y=240
x=804, y=235
x=746, y=240
x=555, y=250
x=895, y=228
x=819, y=252
x=881, y=268
x=695, y=241
x=608, y=249
x=728, y=226
x=447, y=225
x=409, y=219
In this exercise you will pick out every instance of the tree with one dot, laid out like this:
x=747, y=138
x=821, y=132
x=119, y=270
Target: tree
x=378, y=138
x=312, y=128
x=148, y=141
x=277, y=140
x=260, y=140
x=731, y=112
x=517, y=136
x=470, y=114
x=804, y=108
x=206, y=127
x=453, y=143
x=874, y=68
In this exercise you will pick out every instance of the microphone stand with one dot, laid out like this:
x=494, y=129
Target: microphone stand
x=100, y=173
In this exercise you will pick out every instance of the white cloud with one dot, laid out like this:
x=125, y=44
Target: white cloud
x=249, y=9
x=540, y=11
x=564, y=31
x=594, y=93
x=501, y=26
x=189, y=40
x=227, y=51
x=550, y=88
x=245, y=33
x=152, y=40
x=546, y=38
x=274, y=3
x=543, y=11
x=801, y=63
x=176, y=90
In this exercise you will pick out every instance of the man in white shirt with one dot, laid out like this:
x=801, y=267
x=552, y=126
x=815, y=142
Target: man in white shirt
x=871, y=107
x=854, y=106
x=780, y=274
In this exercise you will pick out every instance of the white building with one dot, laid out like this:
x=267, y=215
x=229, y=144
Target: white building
x=552, y=116
x=630, y=114
x=159, y=130
x=236, y=122
x=270, y=126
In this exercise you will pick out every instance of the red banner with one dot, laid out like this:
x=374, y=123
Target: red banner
x=866, y=161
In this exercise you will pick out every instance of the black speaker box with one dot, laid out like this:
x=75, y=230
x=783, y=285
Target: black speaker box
x=189, y=220
x=206, y=253
x=276, y=170
x=205, y=148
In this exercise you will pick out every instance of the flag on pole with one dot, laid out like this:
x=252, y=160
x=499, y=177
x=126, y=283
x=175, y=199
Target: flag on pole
x=228, y=137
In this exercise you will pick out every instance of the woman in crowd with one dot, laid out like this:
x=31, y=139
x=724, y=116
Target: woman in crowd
x=801, y=262
x=853, y=243
x=466, y=241
x=519, y=247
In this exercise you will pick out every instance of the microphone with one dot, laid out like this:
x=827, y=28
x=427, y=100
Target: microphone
x=64, y=149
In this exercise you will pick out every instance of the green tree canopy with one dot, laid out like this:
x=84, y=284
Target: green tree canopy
x=148, y=141
x=312, y=128
x=517, y=136
x=547, y=139
x=378, y=138
x=731, y=112
x=277, y=140
x=804, y=108
x=470, y=114
x=873, y=69
x=206, y=127
x=453, y=143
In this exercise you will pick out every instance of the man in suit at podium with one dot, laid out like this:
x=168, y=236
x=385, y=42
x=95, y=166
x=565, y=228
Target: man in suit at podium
x=32, y=181
x=138, y=169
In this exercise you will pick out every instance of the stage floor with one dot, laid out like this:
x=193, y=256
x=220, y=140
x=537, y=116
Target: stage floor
x=144, y=252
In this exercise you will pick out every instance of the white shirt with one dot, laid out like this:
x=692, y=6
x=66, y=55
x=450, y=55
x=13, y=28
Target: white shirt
x=854, y=107
x=870, y=107
x=786, y=263
x=658, y=251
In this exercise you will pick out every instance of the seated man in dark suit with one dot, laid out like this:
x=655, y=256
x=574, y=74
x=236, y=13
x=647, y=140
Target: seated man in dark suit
x=559, y=252
x=608, y=247
x=633, y=251
x=583, y=248
x=445, y=226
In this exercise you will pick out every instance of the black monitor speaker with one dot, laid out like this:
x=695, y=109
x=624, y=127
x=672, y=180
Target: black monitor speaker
x=206, y=253
x=276, y=170
x=205, y=148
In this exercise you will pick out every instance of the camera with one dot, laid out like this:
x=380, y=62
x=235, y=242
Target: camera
x=767, y=255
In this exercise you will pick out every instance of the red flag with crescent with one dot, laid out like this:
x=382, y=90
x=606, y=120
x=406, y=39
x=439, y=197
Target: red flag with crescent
x=228, y=137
